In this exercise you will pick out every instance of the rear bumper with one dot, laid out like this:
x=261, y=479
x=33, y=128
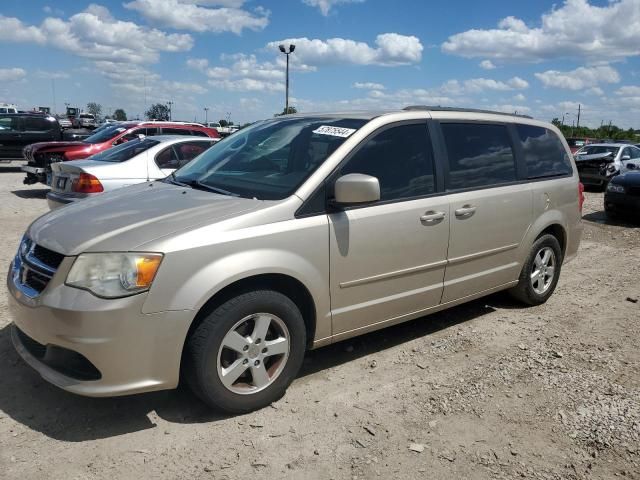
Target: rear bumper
x=57, y=200
x=33, y=170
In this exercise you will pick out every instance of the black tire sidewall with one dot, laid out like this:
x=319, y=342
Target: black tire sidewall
x=215, y=326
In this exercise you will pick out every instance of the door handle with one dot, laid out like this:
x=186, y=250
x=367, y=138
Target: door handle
x=466, y=211
x=432, y=217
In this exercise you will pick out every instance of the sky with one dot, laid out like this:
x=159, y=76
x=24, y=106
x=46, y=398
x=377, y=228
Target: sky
x=540, y=58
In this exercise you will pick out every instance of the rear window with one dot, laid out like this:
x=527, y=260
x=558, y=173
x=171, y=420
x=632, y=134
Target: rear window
x=544, y=153
x=596, y=149
x=125, y=152
x=104, y=135
x=480, y=155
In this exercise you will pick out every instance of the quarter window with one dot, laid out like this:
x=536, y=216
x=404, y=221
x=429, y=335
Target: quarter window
x=480, y=155
x=168, y=159
x=635, y=152
x=401, y=158
x=544, y=154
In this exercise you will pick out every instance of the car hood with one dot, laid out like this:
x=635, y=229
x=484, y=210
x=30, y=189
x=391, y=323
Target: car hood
x=595, y=156
x=129, y=217
x=57, y=146
x=629, y=179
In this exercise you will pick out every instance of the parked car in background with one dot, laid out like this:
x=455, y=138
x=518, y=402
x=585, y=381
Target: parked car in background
x=8, y=108
x=20, y=129
x=65, y=122
x=41, y=155
x=576, y=143
x=223, y=131
x=599, y=162
x=622, y=196
x=86, y=120
x=137, y=161
x=291, y=234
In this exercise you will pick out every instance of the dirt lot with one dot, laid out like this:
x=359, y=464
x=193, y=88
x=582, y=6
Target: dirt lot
x=485, y=390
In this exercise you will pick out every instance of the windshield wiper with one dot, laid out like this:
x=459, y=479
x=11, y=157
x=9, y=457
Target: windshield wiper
x=198, y=185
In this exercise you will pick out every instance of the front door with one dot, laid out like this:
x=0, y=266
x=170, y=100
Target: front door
x=388, y=259
x=489, y=212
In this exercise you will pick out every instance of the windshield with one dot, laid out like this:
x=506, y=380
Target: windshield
x=104, y=135
x=593, y=150
x=270, y=159
x=124, y=152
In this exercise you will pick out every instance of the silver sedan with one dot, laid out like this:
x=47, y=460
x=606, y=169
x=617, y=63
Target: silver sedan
x=136, y=161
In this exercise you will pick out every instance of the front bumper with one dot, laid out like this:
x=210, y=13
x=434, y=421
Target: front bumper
x=621, y=202
x=132, y=352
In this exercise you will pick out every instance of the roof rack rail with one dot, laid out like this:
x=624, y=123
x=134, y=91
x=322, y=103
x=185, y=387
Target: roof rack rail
x=195, y=124
x=454, y=109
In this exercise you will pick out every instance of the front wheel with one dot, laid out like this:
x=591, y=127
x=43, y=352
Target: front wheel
x=540, y=272
x=245, y=353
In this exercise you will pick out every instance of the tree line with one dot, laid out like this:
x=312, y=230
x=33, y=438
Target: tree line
x=607, y=131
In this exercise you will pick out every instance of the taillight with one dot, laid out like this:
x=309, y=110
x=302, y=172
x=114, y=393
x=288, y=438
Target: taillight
x=86, y=183
x=580, y=195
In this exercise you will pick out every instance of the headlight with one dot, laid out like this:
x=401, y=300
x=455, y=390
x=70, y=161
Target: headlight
x=113, y=275
x=612, y=187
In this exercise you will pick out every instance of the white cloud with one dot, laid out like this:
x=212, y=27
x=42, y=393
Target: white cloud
x=368, y=85
x=594, y=91
x=519, y=97
x=95, y=34
x=12, y=74
x=391, y=49
x=192, y=15
x=52, y=75
x=576, y=29
x=477, y=85
x=487, y=65
x=244, y=74
x=325, y=6
x=628, y=90
x=580, y=78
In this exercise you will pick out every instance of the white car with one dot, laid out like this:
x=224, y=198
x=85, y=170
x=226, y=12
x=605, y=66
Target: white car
x=598, y=162
x=136, y=161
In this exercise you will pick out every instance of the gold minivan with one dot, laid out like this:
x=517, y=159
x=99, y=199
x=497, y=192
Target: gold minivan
x=291, y=234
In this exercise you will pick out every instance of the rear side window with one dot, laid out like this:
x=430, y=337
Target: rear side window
x=401, y=158
x=544, y=154
x=37, y=124
x=175, y=131
x=480, y=155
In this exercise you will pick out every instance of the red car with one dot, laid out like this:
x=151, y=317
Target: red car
x=40, y=156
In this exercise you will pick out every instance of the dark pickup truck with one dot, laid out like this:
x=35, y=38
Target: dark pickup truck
x=17, y=130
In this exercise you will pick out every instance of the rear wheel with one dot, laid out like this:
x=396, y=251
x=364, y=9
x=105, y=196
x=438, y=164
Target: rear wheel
x=245, y=353
x=540, y=272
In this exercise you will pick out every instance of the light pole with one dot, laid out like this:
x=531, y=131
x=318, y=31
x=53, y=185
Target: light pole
x=169, y=104
x=206, y=115
x=566, y=113
x=283, y=49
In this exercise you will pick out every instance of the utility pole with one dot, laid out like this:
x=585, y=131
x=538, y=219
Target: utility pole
x=578, y=121
x=286, y=95
x=53, y=88
x=169, y=104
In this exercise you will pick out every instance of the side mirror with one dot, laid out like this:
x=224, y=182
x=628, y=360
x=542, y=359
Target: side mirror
x=356, y=189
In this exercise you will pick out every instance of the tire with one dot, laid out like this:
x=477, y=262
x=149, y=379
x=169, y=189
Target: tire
x=240, y=323
x=537, y=291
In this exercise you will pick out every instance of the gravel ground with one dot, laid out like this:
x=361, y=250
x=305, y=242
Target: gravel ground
x=485, y=390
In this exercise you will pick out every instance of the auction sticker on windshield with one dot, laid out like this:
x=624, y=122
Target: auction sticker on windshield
x=334, y=131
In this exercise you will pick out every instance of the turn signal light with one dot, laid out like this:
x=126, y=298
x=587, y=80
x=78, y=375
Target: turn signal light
x=87, y=183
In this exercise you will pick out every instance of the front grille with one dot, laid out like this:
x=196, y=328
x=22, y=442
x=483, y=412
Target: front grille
x=35, y=266
x=633, y=191
x=48, y=257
